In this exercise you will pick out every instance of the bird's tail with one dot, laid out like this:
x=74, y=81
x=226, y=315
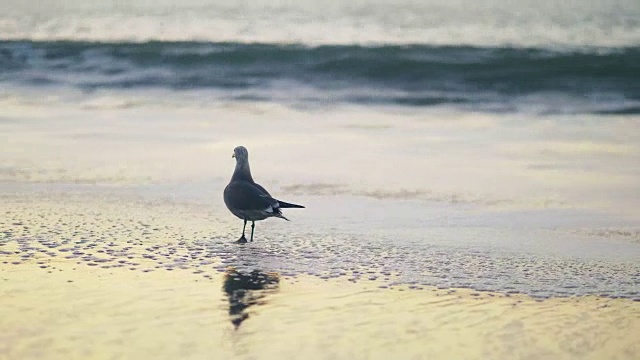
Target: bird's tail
x=279, y=215
x=284, y=205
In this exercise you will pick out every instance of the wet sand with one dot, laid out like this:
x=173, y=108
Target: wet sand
x=509, y=238
x=104, y=276
x=74, y=311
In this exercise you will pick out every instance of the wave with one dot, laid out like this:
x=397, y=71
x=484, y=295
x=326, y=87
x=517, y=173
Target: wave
x=488, y=78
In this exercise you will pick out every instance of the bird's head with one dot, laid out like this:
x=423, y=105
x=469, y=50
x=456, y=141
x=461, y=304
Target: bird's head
x=241, y=154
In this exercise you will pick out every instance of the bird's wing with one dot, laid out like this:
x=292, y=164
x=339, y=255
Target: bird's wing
x=264, y=191
x=243, y=195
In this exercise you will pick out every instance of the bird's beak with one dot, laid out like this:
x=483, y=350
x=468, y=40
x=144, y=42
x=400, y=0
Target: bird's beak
x=234, y=155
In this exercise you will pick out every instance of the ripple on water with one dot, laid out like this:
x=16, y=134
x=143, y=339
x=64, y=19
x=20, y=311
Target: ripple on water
x=170, y=239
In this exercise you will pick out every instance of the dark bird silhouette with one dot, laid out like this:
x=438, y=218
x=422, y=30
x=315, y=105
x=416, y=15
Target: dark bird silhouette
x=246, y=199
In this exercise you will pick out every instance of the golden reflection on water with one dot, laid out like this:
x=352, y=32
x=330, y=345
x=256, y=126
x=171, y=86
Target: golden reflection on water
x=244, y=290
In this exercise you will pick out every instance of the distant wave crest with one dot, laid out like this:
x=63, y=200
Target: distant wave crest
x=491, y=79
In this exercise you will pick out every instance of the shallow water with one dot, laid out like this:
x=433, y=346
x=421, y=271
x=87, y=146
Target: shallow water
x=116, y=313
x=432, y=201
x=537, y=262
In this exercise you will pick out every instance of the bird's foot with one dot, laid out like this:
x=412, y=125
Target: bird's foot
x=242, y=240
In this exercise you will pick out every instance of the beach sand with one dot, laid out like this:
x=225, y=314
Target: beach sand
x=97, y=276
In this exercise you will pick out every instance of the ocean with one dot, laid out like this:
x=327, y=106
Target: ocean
x=571, y=57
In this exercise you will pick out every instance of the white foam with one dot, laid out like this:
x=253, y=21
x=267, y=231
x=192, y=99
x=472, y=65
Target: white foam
x=463, y=22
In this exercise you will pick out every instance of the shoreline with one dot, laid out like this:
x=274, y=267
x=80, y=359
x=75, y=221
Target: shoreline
x=146, y=233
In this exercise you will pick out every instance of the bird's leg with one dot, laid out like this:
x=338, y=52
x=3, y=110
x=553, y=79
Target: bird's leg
x=243, y=239
x=253, y=225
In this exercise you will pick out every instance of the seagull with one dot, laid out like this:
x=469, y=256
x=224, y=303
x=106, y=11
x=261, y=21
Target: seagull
x=248, y=200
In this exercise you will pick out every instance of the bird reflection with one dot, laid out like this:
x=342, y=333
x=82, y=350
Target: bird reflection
x=247, y=289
